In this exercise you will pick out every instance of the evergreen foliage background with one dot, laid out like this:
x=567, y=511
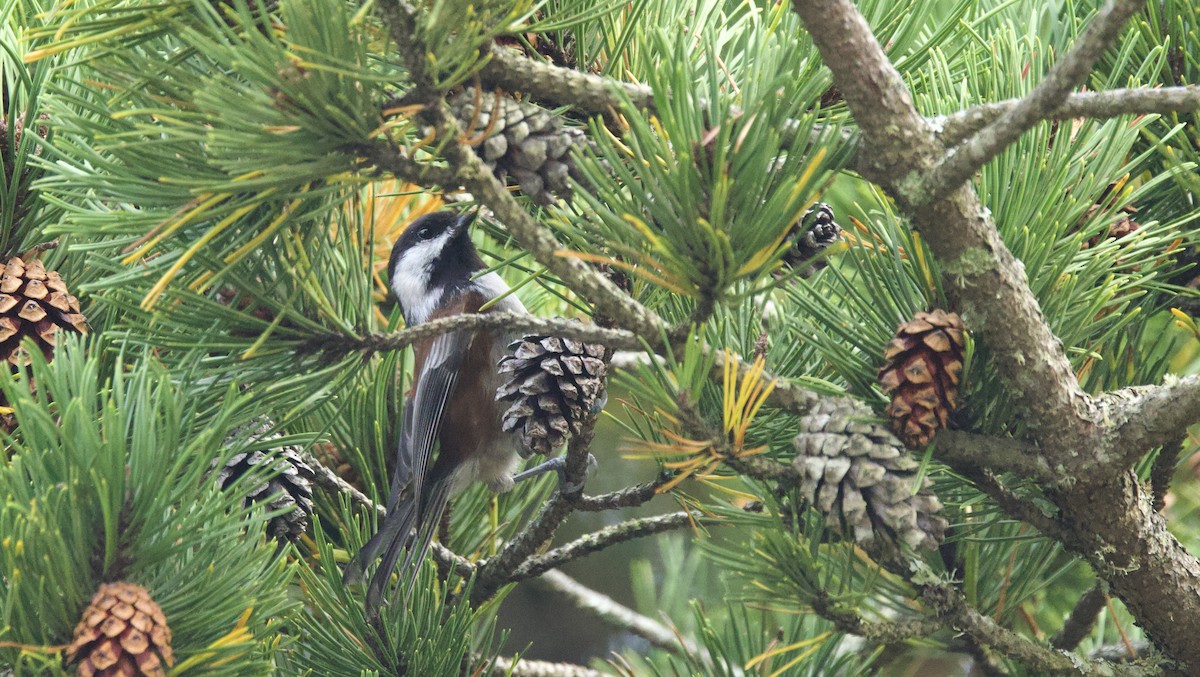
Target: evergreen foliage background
x=220, y=183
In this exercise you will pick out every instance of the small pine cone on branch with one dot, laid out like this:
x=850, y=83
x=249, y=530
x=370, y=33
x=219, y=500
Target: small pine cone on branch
x=523, y=141
x=857, y=474
x=123, y=633
x=290, y=488
x=34, y=302
x=811, y=235
x=923, y=365
x=553, y=384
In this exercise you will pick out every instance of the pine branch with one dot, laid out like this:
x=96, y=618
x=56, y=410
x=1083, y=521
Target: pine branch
x=1156, y=578
x=1049, y=95
x=1015, y=506
x=585, y=92
x=595, y=95
x=1116, y=529
x=981, y=277
x=604, y=538
x=956, y=127
x=953, y=607
x=523, y=322
x=962, y=450
x=629, y=497
x=882, y=632
x=622, y=617
x=1081, y=620
x=522, y=667
x=1141, y=418
x=330, y=481
x=497, y=571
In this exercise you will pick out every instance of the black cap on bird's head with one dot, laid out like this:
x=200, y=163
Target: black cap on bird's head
x=433, y=257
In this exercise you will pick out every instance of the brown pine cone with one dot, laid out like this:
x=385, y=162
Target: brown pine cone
x=34, y=302
x=123, y=633
x=553, y=383
x=924, y=363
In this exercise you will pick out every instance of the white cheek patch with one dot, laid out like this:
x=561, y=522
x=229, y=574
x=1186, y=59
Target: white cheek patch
x=410, y=280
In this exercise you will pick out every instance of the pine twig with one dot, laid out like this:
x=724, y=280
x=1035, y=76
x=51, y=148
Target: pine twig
x=954, y=128
x=514, y=667
x=497, y=571
x=372, y=343
x=330, y=481
x=629, y=497
x=1048, y=96
x=1079, y=623
x=604, y=538
x=622, y=617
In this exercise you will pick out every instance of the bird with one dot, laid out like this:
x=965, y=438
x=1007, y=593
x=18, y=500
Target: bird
x=436, y=272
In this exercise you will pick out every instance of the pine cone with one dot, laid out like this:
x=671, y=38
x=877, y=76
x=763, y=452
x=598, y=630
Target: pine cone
x=34, y=302
x=524, y=141
x=811, y=235
x=554, y=383
x=860, y=477
x=290, y=488
x=924, y=363
x=123, y=633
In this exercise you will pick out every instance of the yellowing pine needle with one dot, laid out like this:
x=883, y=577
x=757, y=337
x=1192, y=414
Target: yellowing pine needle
x=156, y=291
x=179, y=219
x=742, y=401
x=640, y=271
x=818, y=640
x=240, y=634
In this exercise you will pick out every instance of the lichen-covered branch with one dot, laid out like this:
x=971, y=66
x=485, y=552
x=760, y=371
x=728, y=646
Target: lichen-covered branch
x=982, y=278
x=1142, y=418
x=629, y=497
x=583, y=91
x=956, y=127
x=497, y=571
x=518, y=322
x=1066, y=75
x=604, y=538
x=620, y=616
x=521, y=667
x=950, y=604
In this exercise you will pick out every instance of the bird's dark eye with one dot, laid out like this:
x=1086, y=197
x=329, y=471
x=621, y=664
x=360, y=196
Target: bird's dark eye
x=425, y=233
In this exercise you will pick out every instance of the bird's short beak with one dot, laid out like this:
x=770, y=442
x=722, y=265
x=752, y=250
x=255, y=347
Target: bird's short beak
x=464, y=222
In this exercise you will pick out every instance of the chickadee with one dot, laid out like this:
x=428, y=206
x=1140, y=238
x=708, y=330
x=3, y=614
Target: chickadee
x=453, y=401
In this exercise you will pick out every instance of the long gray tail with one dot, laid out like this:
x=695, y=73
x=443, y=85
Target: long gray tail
x=408, y=528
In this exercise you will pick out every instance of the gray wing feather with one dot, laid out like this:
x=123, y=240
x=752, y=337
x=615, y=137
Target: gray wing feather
x=412, y=504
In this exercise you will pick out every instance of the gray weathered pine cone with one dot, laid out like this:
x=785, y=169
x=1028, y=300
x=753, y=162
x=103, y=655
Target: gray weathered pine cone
x=525, y=142
x=291, y=487
x=553, y=384
x=856, y=473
